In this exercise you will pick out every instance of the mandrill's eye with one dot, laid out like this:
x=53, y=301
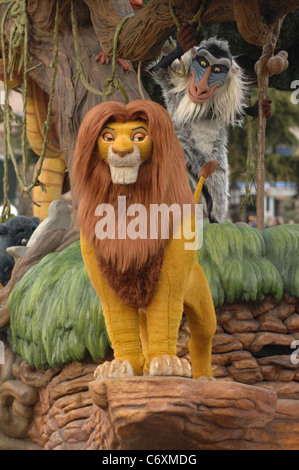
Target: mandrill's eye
x=108, y=137
x=219, y=69
x=203, y=63
x=138, y=137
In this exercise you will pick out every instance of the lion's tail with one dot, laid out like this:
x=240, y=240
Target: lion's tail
x=206, y=171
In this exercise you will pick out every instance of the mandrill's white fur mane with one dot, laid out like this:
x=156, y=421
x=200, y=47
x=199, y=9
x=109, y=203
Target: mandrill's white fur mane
x=225, y=104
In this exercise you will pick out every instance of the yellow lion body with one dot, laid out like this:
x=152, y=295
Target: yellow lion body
x=182, y=286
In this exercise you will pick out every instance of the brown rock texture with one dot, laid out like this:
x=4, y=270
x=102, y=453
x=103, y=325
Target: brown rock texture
x=264, y=333
x=63, y=408
x=177, y=413
x=253, y=403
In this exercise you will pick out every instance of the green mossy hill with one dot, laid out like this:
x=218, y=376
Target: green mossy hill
x=56, y=315
x=244, y=264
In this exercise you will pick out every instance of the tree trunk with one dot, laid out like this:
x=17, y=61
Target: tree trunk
x=71, y=100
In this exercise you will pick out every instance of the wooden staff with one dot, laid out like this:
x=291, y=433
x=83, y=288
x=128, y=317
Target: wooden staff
x=263, y=73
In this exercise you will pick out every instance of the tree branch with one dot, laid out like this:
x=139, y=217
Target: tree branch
x=255, y=18
x=275, y=9
x=249, y=21
x=218, y=12
x=143, y=35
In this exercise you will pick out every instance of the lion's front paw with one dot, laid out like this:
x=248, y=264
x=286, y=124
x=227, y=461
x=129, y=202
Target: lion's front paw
x=114, y=370
x=170, y=365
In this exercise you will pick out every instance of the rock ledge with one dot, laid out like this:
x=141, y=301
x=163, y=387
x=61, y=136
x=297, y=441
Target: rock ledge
x=152, y=413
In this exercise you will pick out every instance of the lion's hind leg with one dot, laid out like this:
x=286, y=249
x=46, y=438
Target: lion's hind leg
x=200, y=312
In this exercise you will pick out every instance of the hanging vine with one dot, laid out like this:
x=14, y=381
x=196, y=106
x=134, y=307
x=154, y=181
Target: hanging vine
x=139, y=80
x=80, y=71
x=16, y=58
x=196, y=18
x=46, y=127
x=6, y=116
x=18, y=55
x=113, y=83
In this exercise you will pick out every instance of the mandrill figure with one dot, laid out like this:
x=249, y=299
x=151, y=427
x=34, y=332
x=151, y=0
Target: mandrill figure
x=144, y=279
x=202, y=102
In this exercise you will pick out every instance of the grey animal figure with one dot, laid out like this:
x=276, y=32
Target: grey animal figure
x=15, y=232
x=202, y=102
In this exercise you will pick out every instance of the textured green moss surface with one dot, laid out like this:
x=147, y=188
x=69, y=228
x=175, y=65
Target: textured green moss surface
x=243, y=263
x=56, y=315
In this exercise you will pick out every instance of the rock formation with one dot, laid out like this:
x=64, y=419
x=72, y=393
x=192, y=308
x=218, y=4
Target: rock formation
x=252, y=403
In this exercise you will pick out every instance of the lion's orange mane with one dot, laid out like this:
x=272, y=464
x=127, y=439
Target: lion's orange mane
x=163, y=179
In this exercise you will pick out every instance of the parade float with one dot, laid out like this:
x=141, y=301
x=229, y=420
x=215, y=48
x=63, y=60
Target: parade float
x=51, y=318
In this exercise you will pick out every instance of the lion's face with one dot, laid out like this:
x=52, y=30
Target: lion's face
x=124, y=147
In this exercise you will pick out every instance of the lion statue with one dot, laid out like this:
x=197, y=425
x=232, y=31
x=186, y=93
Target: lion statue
x=128, y=160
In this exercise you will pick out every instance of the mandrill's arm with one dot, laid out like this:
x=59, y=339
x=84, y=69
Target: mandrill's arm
x=185, y=41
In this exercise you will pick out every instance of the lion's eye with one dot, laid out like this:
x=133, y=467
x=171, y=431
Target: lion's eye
x=138, y=137
x=108, y=137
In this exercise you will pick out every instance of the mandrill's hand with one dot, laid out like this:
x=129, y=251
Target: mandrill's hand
x=186, y=38
x=185, y=41
x=266, y=106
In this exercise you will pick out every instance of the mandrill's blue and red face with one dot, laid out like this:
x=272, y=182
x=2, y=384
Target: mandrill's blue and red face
x=208, y=71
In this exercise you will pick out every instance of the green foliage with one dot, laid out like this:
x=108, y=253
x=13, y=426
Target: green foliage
x=57, y=317
x=282, y=245
x=289, y=210
x=278, y=131
x=285, y=116
x=245, y=264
